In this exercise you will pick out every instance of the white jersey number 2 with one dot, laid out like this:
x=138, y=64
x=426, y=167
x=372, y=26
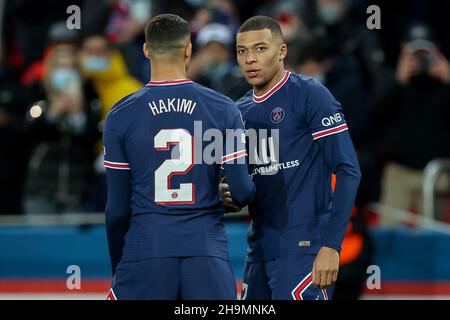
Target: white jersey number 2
x=181, y=163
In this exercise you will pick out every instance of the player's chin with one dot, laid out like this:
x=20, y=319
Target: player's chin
x=254, y=81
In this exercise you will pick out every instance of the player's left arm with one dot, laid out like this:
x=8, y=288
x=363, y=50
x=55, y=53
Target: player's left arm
x=239, y=187
x=340, y=155
x=330, y=132
x=117, y=212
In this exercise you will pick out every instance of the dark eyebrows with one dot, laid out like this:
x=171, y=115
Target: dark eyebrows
x=263, y=43
x=253, y=45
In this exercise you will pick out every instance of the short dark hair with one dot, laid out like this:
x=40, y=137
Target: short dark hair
x=261, y=23
x=166, y=32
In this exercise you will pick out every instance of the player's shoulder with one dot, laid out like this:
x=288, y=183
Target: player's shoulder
x=125, y=105
x=246, y=100
x=303, y=82
x=216, y=100
x=309, y=87
x=212, y=94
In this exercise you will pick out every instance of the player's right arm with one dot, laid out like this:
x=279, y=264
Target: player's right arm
x=118, y=176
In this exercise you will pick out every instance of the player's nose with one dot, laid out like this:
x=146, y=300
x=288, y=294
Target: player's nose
x=250, y=58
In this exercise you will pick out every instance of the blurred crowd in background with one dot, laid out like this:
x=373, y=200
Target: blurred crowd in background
x=57, y=85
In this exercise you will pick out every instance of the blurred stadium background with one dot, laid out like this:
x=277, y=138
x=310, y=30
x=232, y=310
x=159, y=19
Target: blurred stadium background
x=393, y=82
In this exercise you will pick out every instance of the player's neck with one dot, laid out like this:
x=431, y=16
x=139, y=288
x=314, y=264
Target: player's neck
x=259, y=91
x=167, y=72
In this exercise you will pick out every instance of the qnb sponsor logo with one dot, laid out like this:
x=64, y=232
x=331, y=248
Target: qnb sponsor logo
x=329, y=121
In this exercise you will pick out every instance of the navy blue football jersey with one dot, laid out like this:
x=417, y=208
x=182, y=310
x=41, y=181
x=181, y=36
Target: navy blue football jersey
x=301, y=139
x=160, y=157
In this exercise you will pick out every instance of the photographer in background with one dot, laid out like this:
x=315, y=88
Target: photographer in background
x=414, y=117
x=64, y=132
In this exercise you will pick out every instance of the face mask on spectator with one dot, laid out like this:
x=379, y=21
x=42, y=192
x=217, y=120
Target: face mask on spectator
x=321, y=78
x=329, y=14
x=97, y=64
x=64, y=78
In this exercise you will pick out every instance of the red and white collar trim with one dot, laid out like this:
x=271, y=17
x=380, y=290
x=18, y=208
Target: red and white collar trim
x=268, y=94
x=169, y=82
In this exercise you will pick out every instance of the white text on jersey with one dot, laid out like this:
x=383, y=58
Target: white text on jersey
x=172, y=105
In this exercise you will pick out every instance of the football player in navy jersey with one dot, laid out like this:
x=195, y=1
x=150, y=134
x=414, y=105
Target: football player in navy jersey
x=298, y=222
x=164, y=214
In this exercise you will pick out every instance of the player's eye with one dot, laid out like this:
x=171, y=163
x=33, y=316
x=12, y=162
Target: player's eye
x=241, y=51
x=260, y=49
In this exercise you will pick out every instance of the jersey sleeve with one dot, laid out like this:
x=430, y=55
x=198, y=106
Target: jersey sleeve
x=115, y=157
x=117, y=212
x=324, y=113
x=329, y=130
x=234, y=161
x=234, y=141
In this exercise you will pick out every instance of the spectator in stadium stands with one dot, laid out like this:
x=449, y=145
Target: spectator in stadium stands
x=398, y=14
x=58, y=35
x=414, y=115
x=213, y=66
x=104, y=68
x=293, y=24
x=30, y=20
x=338, y=24
x=64, y=131
x=127, y=19
x=125, y=29
x=14, y=101
x=216, y=11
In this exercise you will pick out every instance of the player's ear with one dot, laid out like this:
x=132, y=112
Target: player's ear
x=283, y=51
x=188, y=51
x=146, y=51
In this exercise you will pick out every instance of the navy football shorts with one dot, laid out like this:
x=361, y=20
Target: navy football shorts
x=285, y=278
x=189, y=278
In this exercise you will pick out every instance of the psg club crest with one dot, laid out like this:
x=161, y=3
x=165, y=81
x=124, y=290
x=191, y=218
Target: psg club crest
x=277, y=115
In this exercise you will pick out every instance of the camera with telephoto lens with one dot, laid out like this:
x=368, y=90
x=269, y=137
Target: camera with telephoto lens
x=420, y=38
